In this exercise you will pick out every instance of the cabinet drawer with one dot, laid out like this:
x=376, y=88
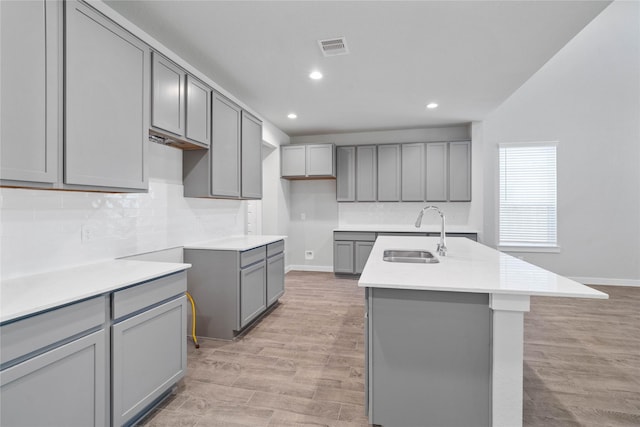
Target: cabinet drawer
x=147, y=294
x=354, y=235
x=34, y=333
x=252, y=256
x=275, y=248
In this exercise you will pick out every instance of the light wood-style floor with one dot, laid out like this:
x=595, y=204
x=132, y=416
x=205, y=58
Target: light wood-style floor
x=302, y=365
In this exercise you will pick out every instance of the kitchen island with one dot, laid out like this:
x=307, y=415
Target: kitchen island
x=444, y=341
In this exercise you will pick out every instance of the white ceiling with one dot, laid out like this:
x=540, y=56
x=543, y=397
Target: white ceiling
x=468, y=56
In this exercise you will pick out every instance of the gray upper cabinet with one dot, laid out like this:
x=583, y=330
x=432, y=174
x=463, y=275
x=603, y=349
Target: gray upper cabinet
x=232, y=167
x=251, y=157
x=198, y=122
x=346, y=174
x=225, y=148
x=460, y=171
x=168, y=96
x=30, y=33
x=293, y=161
x=366, y=173
x=180, y=106
x=310, y=161
x=436, y=172
x=106, y=105
x=389, y=173
x=413, y=172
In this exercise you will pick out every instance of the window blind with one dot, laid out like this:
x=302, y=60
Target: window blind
x=528, y=190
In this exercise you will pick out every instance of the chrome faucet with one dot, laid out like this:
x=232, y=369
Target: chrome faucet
x=442, y=247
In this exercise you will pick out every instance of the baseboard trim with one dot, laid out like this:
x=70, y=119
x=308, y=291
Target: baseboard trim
x=606, y=281
x=318, y=268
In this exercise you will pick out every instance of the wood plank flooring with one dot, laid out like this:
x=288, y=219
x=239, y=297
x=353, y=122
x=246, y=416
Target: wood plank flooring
x=302, y=365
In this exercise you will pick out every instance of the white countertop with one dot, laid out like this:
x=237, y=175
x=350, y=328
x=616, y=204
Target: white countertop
x=235, y=243
x=27, y=295
x=468, y=267
x=435, y=228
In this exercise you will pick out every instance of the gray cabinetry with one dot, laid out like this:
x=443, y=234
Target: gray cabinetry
x=366, y=173
x=460, y=171
x=389, y=173
x=251, y=154
x=30, y=101
x=232, y=167
x=275, y=272
x=436, y=172
x=351, y=251
x=438, y=368
x=149, y=353
x=233, y=288
x=106, y=103
x=168, y=96
x=54, y=368
x=413, y=172
x=346, y=174
x=309, y=161
x=180, y=106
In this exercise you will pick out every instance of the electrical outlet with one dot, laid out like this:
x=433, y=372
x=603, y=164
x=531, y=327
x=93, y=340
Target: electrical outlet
x=308, y=255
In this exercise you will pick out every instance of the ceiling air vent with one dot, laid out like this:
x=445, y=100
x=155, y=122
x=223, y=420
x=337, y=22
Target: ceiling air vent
x=334, y=46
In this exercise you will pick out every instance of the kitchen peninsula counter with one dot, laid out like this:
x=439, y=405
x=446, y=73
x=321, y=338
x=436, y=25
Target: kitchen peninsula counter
x=444, y=341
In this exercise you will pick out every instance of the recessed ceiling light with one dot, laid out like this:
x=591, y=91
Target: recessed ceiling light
x=292, y=115
x=316, y=75
x=432, y=105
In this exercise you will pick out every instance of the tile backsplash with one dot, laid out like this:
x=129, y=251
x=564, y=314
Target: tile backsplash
x=49, y=230
x=404, y=214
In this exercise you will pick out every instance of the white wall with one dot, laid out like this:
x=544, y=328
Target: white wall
x=49, y=230
x=587, y=97
x=316, y=199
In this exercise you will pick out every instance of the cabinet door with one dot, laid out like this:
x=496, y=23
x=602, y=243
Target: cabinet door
x=436, y=181
x=293, y=160
x=346, y=174
x=275, y=278
x=389, y=173
x=366, y=173
x=343, y=254
x=65, y=386
x=149, y=355
x=460, y=171
x=198, y=122
x=251, y=157
x=106, y=102
x=168, y=95
x=413, y=172
x=253, y=295
x=31, y=55
x=319, y=160
x=225, y=148
x=363, y=249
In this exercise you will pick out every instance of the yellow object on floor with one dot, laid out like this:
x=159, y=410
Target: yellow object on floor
x=193, y=320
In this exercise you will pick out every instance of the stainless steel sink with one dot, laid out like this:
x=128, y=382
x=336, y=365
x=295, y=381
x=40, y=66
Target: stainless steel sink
x=414, y=256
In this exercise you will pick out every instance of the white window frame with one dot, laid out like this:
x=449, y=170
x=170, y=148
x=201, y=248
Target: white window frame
x=523, y=247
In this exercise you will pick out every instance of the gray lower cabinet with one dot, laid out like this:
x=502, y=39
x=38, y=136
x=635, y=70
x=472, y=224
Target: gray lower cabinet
x=232, y=167
x=389, y=172
x=253, y=294
x=366, y=173
x=54, y=367
x=427, y=358
x=106, y=102
x=346, y=174
x=351, y=251
x=30, y=101
x=232, y=288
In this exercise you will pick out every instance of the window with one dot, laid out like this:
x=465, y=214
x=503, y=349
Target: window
x=528, y=187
